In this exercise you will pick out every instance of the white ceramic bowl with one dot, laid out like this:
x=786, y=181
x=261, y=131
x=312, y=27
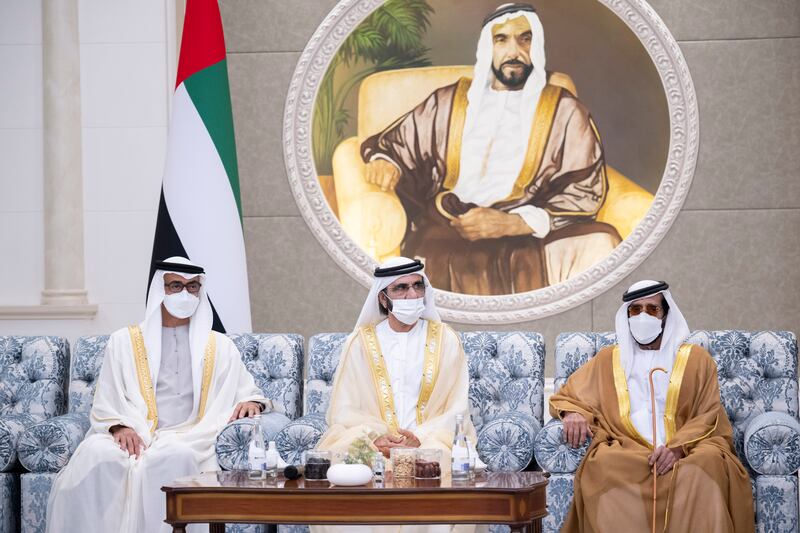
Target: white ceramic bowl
x=349, y=475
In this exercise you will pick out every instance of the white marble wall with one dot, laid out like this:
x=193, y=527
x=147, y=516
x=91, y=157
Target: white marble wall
x=125, y=89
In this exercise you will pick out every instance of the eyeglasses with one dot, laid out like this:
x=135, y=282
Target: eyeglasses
x=176, y=286
x=401, y=289
x=650, y=309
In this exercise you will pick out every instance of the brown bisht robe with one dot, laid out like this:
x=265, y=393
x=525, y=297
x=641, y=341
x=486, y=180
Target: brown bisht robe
x=708, y=490
x=564, y=173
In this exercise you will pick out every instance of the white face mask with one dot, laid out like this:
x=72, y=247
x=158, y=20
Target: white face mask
x=645, y=328
x=181, y=304
x=408, y=311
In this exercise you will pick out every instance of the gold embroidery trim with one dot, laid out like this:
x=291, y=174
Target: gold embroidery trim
x=455, y=132
x=540, y=134
x=624, y=399
x=430, y=368
x=380, y=376
x=674, y=388
x=143, y=374
x=603, y=195
x=209, y=358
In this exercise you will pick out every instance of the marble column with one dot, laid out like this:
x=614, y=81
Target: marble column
x=64, y=283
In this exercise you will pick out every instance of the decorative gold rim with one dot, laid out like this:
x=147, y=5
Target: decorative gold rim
x=674, y=388
x=624, y=398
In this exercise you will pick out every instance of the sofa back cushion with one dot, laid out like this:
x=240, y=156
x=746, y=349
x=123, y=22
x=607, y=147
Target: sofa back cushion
x=33, y=375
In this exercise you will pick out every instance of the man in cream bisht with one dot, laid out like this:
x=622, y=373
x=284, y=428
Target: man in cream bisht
x=503, y=174
x=702, y=486
x=166, y=388
x=402, y=377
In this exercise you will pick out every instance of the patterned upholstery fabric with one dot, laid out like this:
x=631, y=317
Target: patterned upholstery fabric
x=299, y=436
x=559, y=499
x=9, y=502
x=553, y=454
x=772, y=444
x=47, y=446
x=36, y=490
x=233, y=441
x=776, y=504
x=33, y=372
x=757, y=374
x=276, y=362
x=506, y=376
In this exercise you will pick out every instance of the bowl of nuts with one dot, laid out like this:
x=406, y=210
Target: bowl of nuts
x=403, y=462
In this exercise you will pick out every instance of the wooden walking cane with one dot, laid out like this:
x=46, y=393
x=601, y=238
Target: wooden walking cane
x=653, y=413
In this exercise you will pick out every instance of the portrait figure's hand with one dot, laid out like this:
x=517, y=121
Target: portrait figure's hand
x=382, y=173
x=128, y=440
x=487, y=223
x=576, y=429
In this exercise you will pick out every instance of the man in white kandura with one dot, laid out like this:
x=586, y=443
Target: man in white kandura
x=167, y=387
x=402, y=377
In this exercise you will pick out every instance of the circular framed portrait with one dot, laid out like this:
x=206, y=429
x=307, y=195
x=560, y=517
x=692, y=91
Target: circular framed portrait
x=530, y=154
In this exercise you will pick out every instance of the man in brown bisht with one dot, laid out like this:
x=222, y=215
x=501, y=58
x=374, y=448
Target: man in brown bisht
x=702, y=486
x=501, y=176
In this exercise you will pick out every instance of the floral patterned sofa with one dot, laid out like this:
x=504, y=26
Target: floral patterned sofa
x=33, y=376
x=759, y=389
x=275, y=360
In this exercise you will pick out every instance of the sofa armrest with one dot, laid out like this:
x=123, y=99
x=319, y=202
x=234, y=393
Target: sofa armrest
x=553, y=454
x=233, y=442
x=11, y=428
x=300, y=435
x=772, y=443
x=48, y=445
x=505, y=443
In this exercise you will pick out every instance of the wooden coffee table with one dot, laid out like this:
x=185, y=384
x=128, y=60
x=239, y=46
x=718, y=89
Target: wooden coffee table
x=513, y=498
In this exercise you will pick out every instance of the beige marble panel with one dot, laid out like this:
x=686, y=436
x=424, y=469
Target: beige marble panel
x=259, y=83
x=271, y=25
x=294, y=284
x=731, y=19
x=727, y=270
x=749, y=101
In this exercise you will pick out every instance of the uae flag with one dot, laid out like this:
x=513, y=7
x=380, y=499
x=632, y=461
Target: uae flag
x=200, y=212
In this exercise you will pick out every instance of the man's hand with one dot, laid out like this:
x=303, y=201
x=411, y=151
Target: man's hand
x=385, y=443
x=411, y=440
x=665, y=458
x=127, y=439
x=245, y=409
x=382, y=173
x=487, y=223
x=576, y=429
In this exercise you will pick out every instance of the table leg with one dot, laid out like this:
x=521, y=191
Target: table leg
x=519, y=528
x=178, y=528
x=216, y=528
